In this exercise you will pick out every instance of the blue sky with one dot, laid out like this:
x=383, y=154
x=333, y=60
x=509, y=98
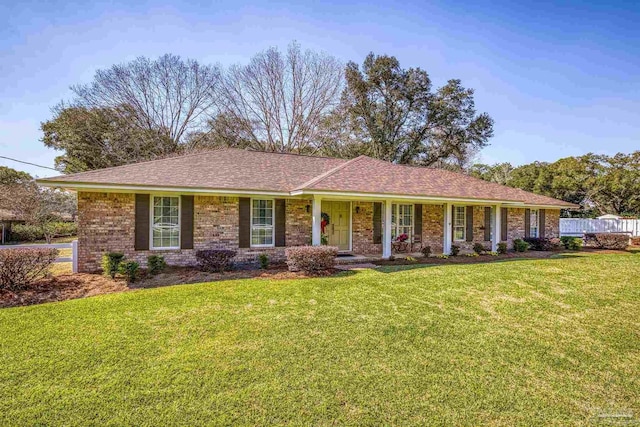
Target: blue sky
x=559, y=78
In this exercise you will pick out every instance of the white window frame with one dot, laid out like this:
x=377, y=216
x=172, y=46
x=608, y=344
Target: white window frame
x=534, y=226
x=395, y=230
x=464, y=223
x=151, y=214
x=273, y=225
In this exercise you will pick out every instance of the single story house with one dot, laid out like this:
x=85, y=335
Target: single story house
x=256, y=202
x=7, y=220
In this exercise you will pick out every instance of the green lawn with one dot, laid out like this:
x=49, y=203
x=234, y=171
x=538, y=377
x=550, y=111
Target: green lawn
x=527, y=342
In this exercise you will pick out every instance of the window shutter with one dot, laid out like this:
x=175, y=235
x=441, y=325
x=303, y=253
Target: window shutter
x=417, y=220
x=541, y=214
x=377, y=223
x=142, y=222
x=280, y=222
x=503, y=223
x=244, y=229
x=527, y=223
x=487, y=223
x=186, y=222
x=469, y=223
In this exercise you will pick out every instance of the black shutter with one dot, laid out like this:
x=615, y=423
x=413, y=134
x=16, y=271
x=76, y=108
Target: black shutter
x=503, y=223
x=527, y=223
x=541, y=220
x=186, y=222
x=244, y=231
x=142, y=222
x=469, y=223
x=280, y=222
x=377, y=223
x=487, y=224
x=417, y=220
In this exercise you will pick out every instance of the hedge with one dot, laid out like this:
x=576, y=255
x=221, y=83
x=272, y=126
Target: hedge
x=607, y=240
x=30, y=233
x=311, y=258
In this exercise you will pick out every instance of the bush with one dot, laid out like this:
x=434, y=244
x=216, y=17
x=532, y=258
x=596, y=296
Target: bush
x=520, y=245
x=264, y=261
x=215, y=260
x=502, y=248
x=607, y=240
x=130, y=270
x=19, y=268
x=571, y=243
x=30, y=233
x=426, y=251
x=311, y=258
x=543, y=243
x=479, y=248
x=156, y=264
x=111, y=263
x=455, y=250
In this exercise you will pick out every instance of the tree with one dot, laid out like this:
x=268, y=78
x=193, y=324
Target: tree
x=169, y=96
x=397, y=118
x=9, y=176
x=277, y=101
x=499, y=173
x=100, y=137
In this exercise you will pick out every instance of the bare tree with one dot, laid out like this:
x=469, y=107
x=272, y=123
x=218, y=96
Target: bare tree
x=277, y=101
x=169, y=95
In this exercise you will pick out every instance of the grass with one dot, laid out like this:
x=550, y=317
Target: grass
x=59, y=268
x=526, y=342
x=65, y=253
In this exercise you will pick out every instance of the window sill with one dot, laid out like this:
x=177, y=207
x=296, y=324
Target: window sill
x=174, y=248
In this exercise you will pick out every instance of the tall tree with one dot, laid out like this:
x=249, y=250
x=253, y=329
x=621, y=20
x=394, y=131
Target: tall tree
x=100, y=137
x=9, y=176
x=396, y=117
x=169, y=95
x=499, y=173
x=277, y=101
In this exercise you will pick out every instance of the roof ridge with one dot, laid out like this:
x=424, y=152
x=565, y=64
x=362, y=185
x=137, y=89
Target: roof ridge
x=328, y=173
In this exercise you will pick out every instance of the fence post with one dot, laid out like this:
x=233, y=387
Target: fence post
x=74, y=256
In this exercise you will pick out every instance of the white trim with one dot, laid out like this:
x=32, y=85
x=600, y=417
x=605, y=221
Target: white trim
x=497, y=227
x=151, y=210
x=316, y=220
x=386, y=230
x=447, y=235
x=273, y=225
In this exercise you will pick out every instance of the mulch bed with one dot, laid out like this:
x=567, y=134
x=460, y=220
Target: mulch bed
x=463, y=259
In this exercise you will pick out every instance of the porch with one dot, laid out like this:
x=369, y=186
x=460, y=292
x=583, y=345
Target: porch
x=369, y=229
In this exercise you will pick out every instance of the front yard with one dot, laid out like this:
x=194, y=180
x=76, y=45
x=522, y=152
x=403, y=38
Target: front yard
x=519, y=342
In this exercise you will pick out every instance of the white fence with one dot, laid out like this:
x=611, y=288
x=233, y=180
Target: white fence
x=579, y=226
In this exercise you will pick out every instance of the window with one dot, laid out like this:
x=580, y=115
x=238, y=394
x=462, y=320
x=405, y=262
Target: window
x=165, y=224
x=401, y=220
x=261, y=222
x=459, y=223
x=533, y=223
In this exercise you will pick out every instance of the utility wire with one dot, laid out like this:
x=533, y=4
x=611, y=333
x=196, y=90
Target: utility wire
x=27, y=163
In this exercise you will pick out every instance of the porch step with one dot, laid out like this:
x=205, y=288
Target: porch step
x=354, y=259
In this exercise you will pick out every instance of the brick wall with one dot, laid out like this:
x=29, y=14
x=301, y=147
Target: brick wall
x=362, y=229
x=552, y=223
x=106, y=223
x=433, y=227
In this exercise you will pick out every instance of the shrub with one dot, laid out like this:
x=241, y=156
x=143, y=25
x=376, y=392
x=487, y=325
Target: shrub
x=635, y=241
x=19, y=268
x=479, y=248
x=215, y=260
x=502, y=248
x=130, y=270
x=111, y=263
x=30, y=233
x=607, y=240
x=264, y=261
x=426, y=251
x=455, y=250
x=156, y=264
x=520, y=245
x=311, y=258
x=571, y=243
x=543, y=243
x=410, y=258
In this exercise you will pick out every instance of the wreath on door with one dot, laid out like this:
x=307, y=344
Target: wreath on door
x=326, y=220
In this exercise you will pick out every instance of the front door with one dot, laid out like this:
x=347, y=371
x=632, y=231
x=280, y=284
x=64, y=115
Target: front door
x=338, y=227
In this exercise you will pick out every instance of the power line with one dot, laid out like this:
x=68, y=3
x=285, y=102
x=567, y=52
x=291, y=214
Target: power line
x=28, y=163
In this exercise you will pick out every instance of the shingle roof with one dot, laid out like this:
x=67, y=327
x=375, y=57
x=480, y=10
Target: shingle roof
x=233, y=169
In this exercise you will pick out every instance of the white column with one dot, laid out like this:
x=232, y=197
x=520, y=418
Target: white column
x=386, y=231
x=316, y=230
x=446, y=244
x=497, y=228
x=74, y=256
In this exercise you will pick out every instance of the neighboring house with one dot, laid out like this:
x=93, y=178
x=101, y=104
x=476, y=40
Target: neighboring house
x=7, y=220
x=256, y=202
